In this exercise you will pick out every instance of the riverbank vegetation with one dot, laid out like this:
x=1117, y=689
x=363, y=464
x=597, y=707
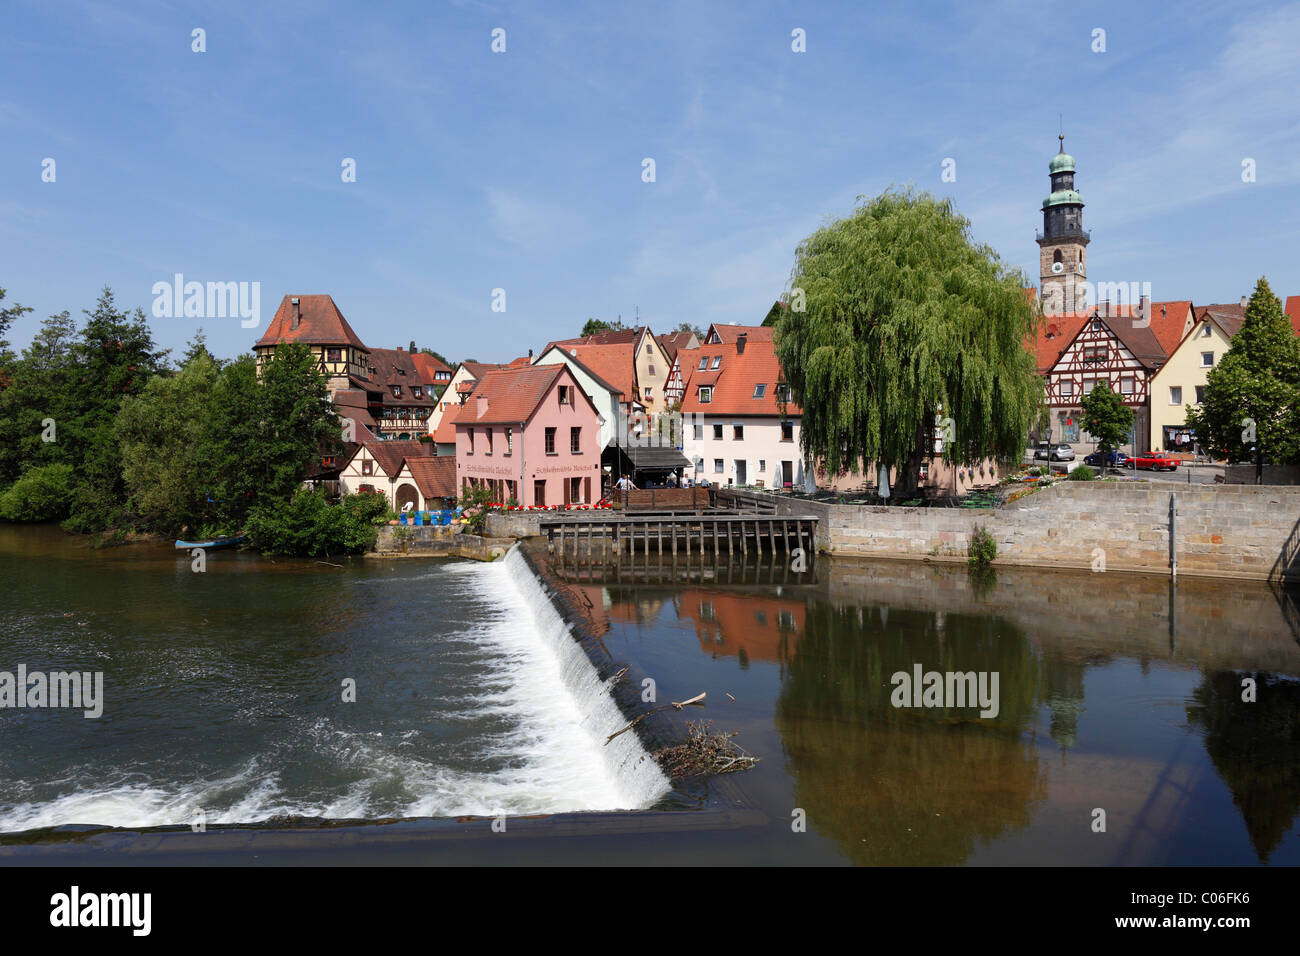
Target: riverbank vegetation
x=99, y=431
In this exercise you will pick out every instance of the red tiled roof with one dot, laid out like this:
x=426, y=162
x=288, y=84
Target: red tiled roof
x=445, y=433
x=391, y=454
x=729, y=333
x=674, y=342
x=614, y=364
x=520, y=362
x=428, y=367
x=613, y=337
x=1292, y=310
x=1169, y=322
x=582, y=365
x=1055, y=332
x=391, y=367
x=512, y=394
x=734, y=380
x=351, y=403
x=435, y=477
x=479, y=369
x=320, y=323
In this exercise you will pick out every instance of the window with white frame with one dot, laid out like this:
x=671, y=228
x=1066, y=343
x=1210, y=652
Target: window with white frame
x=1175, y=395
x=1207, y=360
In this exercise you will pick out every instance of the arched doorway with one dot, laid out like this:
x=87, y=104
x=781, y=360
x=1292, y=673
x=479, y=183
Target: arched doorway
x=407, y=493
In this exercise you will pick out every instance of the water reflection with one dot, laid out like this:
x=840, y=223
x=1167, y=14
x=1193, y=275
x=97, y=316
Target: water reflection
x=1253, y=746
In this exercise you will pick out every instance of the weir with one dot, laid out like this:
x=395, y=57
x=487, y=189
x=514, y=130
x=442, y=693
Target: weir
x=639, y=779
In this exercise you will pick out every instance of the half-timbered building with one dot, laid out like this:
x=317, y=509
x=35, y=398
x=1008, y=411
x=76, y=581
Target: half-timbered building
x=1079, y=350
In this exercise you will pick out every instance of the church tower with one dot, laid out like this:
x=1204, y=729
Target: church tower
x=1063, y=243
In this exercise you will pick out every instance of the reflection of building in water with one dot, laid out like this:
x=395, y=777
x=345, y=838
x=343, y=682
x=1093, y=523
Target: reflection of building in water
x=747, y=626
x=640, y=608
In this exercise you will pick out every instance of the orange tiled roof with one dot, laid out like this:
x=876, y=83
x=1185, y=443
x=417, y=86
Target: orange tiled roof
x=1169, y=322
x=391, y=454
x=435, y=477
x=729, y=333
x=428, y=367
x=613, y=364
x=319, y=323
x=1292, y=310
x=734, y=380
x=512, y=394
x=445, y=433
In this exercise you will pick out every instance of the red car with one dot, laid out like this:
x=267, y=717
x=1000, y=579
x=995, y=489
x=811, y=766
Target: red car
x=1154, y=461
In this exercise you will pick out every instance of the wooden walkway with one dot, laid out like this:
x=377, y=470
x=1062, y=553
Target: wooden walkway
x=671, y=532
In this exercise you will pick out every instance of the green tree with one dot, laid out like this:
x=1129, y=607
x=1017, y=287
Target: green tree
x=439, y=356
x=905, y=316
x=1252, y=398
x=41, y=388
x=8, y=315
x=161, y=433
x=595, y=326
x=114, y=357
x=774, y=314
x=1105, y=417
x=41, y=494
x=265, y=431
x=692, y=329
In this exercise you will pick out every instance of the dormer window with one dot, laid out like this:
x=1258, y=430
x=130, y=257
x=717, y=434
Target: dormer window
x=717, y=360
x=783, y=393
x=706, y=394
x=704, y=363
x=417, y=391
x=397, y=391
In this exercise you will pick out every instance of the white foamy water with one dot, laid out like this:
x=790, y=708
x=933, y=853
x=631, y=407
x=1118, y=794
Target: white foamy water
x=551, y=712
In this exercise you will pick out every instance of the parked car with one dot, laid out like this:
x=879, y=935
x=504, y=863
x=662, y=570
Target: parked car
x=1042, y=451
x=1154, y=461
x=1062, y=453
x=1113, y=459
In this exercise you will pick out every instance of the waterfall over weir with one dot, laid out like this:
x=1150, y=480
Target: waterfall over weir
x=636, y=777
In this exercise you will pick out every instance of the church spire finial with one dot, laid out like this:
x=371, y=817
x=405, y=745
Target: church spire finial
x=1061, y=137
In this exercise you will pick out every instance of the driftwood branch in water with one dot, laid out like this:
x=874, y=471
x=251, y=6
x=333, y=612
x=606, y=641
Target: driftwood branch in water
x=330, y=565
x=704, y=752
x=696, y=701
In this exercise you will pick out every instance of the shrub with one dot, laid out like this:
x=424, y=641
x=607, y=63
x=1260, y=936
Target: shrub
x=982, y=548
x=307, y=525
x=1083, y=473
x=41, y=494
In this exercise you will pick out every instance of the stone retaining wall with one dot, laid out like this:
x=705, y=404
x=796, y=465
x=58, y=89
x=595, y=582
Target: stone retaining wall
x=1242, y=531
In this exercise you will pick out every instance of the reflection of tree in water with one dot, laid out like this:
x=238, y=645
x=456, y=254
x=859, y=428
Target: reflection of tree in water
x=1063, y=677
x=901, y=785
x=1255, y=748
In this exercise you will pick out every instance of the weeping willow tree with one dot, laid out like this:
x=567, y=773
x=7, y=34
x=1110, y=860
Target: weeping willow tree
x=901, y=330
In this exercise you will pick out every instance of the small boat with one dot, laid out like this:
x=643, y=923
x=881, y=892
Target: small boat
x=212, y=543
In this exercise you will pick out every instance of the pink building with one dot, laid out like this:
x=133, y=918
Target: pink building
x=530, y=434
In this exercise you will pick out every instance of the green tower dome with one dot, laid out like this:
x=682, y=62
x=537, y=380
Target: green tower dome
x=1061, y=163
x=1063, y=197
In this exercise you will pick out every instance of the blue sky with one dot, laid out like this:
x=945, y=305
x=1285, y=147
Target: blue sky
x=522, y=170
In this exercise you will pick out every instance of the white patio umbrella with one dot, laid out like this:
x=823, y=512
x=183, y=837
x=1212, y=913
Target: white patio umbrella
x=809, y=479
x=882, y=481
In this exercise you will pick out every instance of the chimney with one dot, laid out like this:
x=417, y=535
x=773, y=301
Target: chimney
x=530, y=355
x=294, y=312
x=1105, y=308
x=740, y=342
x=482, y=407
x=1244, y=300
x=1144, y=307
